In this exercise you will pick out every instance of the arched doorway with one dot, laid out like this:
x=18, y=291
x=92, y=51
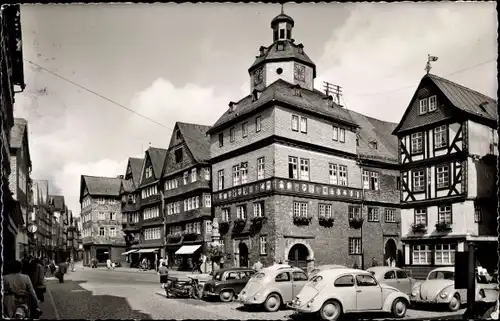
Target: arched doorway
x=297, y=256
x=391, y=250
x=243, y=251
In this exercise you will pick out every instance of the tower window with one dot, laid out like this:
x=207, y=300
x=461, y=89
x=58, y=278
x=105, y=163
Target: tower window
x=281, y=46
x=275, y=34
x=288, y=33
x=282, y=33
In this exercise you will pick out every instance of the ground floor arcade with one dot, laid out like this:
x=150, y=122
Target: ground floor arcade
x=102, y=252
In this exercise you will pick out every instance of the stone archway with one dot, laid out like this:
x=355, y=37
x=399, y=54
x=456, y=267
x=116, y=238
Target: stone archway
x=243, y=254
x=294, y=254
x=390, y=249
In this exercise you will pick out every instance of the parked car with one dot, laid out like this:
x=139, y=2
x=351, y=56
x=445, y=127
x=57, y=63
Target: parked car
x=394, y=277
x=273, y=287
x=227, y=283
x=439, y=288
x=320, y=268
x=334, y=292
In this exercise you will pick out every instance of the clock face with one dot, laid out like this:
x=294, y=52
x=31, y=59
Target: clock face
x=300, y=72
x=258, y=76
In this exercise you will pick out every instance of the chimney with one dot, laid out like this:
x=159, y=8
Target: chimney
x=232, y=106
x=119, y=176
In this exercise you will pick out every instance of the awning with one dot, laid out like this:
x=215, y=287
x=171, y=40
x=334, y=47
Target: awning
x=147, y=251
x=187, y=249
x=128, y=252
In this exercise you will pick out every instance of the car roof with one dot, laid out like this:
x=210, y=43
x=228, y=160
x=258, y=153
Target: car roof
x=378, y=270
x=335, y=272
x=235, y=269
x=278, y=268
x=445, y=268
x=329, y=266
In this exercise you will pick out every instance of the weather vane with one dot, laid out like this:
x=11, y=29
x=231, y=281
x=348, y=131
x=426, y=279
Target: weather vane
x=430, y=58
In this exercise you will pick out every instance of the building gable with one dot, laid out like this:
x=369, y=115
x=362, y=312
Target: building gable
x=176, y=138
x=146, y=164
x=178, y=158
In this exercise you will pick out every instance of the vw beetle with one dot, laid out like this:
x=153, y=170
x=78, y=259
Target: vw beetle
x=334, y=292
x=273, y=287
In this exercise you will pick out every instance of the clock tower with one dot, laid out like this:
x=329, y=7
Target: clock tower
x=283, y=59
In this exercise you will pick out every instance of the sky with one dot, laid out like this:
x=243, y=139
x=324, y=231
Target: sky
x=186, y=62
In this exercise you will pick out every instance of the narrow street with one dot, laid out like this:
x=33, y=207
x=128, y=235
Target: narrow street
x=131, y=294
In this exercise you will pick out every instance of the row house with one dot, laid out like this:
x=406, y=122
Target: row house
x=187, y=194
x=131, y=208
x=42, y=219
x=448, y=148
x=59, y=212
x=102, y=235
x=289, y=184
x=19, y=180
x=78, y=238
x=152, y=235
x=12, y=71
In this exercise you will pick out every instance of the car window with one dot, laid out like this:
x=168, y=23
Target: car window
x=299, y=276
x=365, y=280
x=401, y=274
x=389, y=275
x=233, y=276
x=343, y=281
x=441, y=275
x=282, y=277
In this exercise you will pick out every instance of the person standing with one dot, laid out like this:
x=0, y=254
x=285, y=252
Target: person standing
x=61, y=270
x=37, y=278
x=18, y=292
x=108, y=264
x=374, y=262
x=393, y=262
x=72, y=264
x=257, y=266
x=163, y=272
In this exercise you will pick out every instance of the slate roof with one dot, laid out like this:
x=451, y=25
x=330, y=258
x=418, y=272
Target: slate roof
x=103, y=186
x=58, y=202
x=128, y=186
x=466, y=99
x=282, y=18
x=379, y=131
x=17, y=132
x=136, y=165
x=196, y=138
x=157, y=157
x=282, y=91
x=290, y=51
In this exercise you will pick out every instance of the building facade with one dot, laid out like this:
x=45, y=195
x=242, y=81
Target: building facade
x=42, y=218
x=102, y=235
x=187, y=194
x=152, y=235
x=131, y=208
x=59, y=225
x=448, y=148
x=288, y=179
x=19, y=180
x=12, y=76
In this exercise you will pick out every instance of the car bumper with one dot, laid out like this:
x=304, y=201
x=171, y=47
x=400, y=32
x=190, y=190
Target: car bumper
x=249, y=300
x=300, y=308
x=210, y=294
x=422, y=301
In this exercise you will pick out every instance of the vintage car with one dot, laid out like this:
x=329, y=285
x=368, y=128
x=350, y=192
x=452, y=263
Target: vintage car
x=394, y=277
x=320, y=268
x=439, y=288
x=227, y=283
x=334, y=292
x=273, y=287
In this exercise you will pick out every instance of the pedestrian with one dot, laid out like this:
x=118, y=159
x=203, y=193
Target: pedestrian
x=52, y=267
x=393, y=262
x=374, y=262
x=165, y=260
x=257, y=265
x=221, y=262
x=108, y=263
x=61, y=270
x=37, y=278
x=72, y=264
x=18, y=292
x=163, y=272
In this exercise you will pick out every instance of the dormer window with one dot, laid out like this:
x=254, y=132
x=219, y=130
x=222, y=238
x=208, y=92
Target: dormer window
x=330, y=101
x=432, y=103
x=262, y=51
x=149, y=172
x=481, y=106
x=423, y=106
x=256, y=95
x=296, y=91
x=232, y=107
x=300, y=48
x=280, y=46
x=178, y=134
x=178, y=155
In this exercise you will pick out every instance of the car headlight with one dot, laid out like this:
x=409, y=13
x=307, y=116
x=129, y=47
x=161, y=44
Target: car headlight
x=414, y=293
x=443, y=295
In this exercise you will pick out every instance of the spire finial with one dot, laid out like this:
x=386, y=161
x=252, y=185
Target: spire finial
x=282, y=10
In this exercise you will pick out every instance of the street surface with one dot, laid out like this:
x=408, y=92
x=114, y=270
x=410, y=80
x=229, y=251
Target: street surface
x=131, y=294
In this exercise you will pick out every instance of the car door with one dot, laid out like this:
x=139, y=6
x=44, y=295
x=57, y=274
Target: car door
x=345, y=289
x=368, y=293
x=283, y=282
x=299, y=280
x=404, y=281
x=238, y=285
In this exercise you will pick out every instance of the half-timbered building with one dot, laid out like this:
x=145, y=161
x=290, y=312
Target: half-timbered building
x=447, y=146
x=152, y=235
x=131, y=208
x=287, y=177
x=187, y=194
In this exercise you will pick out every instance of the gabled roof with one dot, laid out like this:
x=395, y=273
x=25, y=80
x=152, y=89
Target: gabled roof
x=379, y=131
x=196, y=138
x=100, y=186
x=462, y=98
x=128, y=186
x=17, y=132
x=58, y=202
x=135, y=165
x=290, y=52
x=157, y=157
x=282, y=91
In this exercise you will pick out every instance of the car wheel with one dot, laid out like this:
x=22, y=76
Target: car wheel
x=272, y=303
x=454, y=304
x=330, y=311
x=226, y=296
x=399, y=307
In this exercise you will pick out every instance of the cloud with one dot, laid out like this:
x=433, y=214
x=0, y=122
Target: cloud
x=87, y=141
x=383, y=47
